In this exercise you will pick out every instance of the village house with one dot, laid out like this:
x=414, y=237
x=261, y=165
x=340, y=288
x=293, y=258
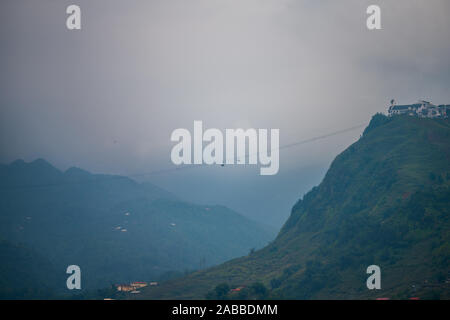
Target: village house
x=138, y=284
x=422, y=109
x=131, y=287
x=124, y=287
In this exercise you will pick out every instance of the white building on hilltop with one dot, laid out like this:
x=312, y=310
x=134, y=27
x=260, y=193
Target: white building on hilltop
x=422, y=109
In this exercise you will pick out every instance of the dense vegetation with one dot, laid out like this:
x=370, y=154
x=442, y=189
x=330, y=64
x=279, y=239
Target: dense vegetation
x=18, y=280
x=385, y=200
x=115, y=229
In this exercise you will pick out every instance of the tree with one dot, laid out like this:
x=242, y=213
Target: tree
x=222, y=291
x=259, y=290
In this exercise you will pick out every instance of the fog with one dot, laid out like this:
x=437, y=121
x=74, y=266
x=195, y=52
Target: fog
x=106, y=98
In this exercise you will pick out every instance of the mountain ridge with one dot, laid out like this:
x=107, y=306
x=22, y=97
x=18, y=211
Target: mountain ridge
x=114, y=227
x=383, y=201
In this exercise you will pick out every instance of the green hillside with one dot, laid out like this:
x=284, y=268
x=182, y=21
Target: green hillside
x=115, y=229
x=385, y=200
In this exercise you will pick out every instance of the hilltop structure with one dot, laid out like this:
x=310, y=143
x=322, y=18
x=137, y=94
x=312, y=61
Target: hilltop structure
x=422, y=109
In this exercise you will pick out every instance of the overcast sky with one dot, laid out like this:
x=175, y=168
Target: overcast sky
x=106, y=98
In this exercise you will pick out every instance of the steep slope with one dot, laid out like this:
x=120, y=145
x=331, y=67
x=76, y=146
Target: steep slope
x=115, y=229
x=385, y=200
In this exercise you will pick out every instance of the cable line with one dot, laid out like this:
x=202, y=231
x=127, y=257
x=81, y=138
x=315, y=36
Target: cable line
x=97, y=179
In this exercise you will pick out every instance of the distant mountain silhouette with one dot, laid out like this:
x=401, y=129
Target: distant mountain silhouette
x=114, y=228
